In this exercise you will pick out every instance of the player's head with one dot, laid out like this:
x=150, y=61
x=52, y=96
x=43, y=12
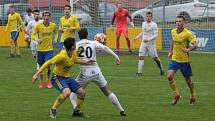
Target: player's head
x=180, y=19
x=36, y=14
x=83, y=33
x=119, y=5
x=12, y=9
x=149, y=16
x=29, y=11
x=69, y=44
x=46, y=15
x=67, y=10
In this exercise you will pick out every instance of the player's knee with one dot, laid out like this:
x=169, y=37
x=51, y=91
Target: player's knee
x=66, y=92
x=141, y=57
x=81, y=93
x=170, y=77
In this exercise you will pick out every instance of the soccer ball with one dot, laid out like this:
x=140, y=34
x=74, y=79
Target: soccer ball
x=100, y=37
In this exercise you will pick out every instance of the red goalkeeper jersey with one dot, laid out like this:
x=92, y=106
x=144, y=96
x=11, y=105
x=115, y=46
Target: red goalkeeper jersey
x=121, y=18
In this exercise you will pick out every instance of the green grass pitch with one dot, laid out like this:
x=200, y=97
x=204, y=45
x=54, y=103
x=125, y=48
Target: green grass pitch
x=144, y=99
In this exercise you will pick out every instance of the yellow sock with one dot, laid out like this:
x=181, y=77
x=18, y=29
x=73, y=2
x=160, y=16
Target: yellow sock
x=61, y=98
x=12, y=48
x=173, y=87
x=80, y=102
x=17, y=49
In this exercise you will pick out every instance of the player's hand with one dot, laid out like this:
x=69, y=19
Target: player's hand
x=118, y=62
x=39, y=41
x=61, y=30
x=132, y=24
x=68, y=30
x=34, y=78
x=111, y=27
x=90, y=62
x=145, y=40
x=135, y=39
x=186, y=50
x=170, y=55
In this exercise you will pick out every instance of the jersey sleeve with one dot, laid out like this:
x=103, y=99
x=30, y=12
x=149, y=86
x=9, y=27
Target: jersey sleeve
x=99, y=45
x=191, y=38
x=57, y=59
x=20, y=21
x=55, y=31
x=77, y=59
x=60, y=24
x=76, y=25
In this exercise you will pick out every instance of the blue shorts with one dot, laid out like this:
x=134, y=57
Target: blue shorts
x=185, y=68
x=42, y=57
x=14, y=35
x=61, y=83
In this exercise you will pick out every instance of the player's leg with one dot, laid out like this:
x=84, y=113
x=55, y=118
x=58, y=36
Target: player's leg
x=187, y=73
x=48, y=55
x=173, y=67
x=118, y=33
x=12, y=41
x=125, y=32
x=60, y=84
x=33, y=46
x=159, y=64
x=40, y=61
x=142, y=53
x=102, y=83
x=17, y=45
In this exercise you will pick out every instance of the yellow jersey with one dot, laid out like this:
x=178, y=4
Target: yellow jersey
x=45, y=33
x=63, y=63
x=179, y=41
x=15, y=22
x=72, y=23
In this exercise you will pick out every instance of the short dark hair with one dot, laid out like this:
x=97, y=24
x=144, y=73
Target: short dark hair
x=149, y=13
x=68, y=6
x=83, y=33
x=45, y=12
x=12, y=6
x=36, y=10
x=69, y=43
x=29, y=10
x=181, y=16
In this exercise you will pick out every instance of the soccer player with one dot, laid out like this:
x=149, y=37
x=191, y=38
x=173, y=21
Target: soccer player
x=43, y=34
x=121, y=15
x=61, y=79
x=92, y=73
x=15, y=24
x=68, y=25
x=149, y=35
x=29, y=28
x=28, y=17
x=179, y=56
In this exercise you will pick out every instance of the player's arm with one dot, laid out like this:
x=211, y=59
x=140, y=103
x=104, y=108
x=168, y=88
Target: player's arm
x=192, y=40
x=54, y=60
x=171, y=48
x=20, y=21
x=8, y=23
x=109, y=51
x=55, y=31
x=155, y=33
x=60, y=26
x=138, y=36
x=76, y=24
x=34, y=34
x=82, y=61
x=129, y=16
x=27, y=30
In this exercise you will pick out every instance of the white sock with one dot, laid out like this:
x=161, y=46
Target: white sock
x=38, y=66
x=140, y=66
x=112, y=97
x=73, y=99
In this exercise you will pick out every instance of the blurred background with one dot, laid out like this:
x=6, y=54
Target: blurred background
x=96, y=16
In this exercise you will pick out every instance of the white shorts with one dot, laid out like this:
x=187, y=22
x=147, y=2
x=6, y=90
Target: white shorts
x=88, y=75
x=34, y=45
x=146, y=49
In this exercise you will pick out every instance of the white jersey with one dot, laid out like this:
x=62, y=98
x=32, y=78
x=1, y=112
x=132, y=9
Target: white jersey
x=28, y=18
x=31, y=25
x=87, y=50
x=149, y=32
